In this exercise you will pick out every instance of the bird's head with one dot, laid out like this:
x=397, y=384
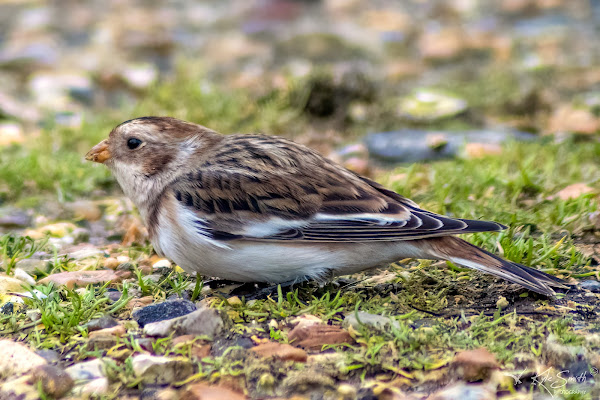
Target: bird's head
x=146, y=153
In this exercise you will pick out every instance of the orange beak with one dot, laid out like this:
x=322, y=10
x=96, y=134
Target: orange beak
x=99, y=153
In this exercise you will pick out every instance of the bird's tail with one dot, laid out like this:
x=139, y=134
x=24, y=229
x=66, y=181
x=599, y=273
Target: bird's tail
x=461, y=252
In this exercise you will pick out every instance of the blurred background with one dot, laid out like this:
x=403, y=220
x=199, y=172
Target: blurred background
x=371, y=84
x=477, y=109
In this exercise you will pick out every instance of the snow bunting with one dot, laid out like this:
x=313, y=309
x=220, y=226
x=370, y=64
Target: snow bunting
x=254, y=208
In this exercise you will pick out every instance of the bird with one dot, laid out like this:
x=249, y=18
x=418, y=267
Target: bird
x=262, y=208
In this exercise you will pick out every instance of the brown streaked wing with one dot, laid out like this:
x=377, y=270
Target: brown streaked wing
x=294, y=193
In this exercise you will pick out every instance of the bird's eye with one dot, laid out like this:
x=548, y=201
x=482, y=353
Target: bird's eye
x=133, y=143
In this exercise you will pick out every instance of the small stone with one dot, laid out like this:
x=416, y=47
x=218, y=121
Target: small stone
x=203, y=391
x=141, y=302
x=281, y=351
x=51, y=356
x=85, y=209
x=10, y=133
x=474, y=365
x=164, y=263
x=24, y=276
x=18, y=389
x=591, y=285
x=33, y=315
x=118, y=331
x=111, y=263
x=371, y=320
x=57, y=230
x=161, y=370
x=87, y=370
x=502, y=303
x=464, y=391
x=346, y=391
x=163, y=311
x=140, y=76
x=17, y=359
x=123, y=259
x=480, y=150
x=12, y=218
x=113, y=295
x=573, y=191
x=313, y=337
x=203, y=321
x=83, y=251
x=431, y=105
x=234, y=301
x=104, y=322
x=83, y=278
x=160, y=328
x=55, y=381
x=573, y=120
x=91, y=388
x=10, y=284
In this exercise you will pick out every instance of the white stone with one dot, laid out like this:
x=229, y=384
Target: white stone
x=24, y=276
x=164, y=263
x=17, y=358
x=87, y=370
x=161, y=370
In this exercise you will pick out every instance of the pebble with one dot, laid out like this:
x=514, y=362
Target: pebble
x=24, y=276
x=480, y=150
x=502, y=303
x=203, y=391
x=72, y=279
x=410, y=145
x=164, y=263
x=113, y=294
x=10, y=133
x=140, y=76
x=55, y=381
x=87, y=370
x=85, y=209
x=17, y=359
x=474, y=365
x=280, y=351
x=573, y=191
x=13, y=218
x=573, y=120
x=92, y=388
x=464, y=391
x=111, y=263
x=371, y=320
x=33, y=315
x=313, y=337
x=115, y=331
x=163, y=311
x=591, y=285
x=10, y=284
x=51, y=356
x=204, y=321
x=104, y=322
x=161, y=370
x=430, y=105
x=140, y=302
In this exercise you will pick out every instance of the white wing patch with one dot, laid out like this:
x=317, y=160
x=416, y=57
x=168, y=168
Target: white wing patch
x=379, y=219
x=271, y=227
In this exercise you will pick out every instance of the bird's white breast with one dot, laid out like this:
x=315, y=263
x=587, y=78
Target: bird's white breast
x=182, y=240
